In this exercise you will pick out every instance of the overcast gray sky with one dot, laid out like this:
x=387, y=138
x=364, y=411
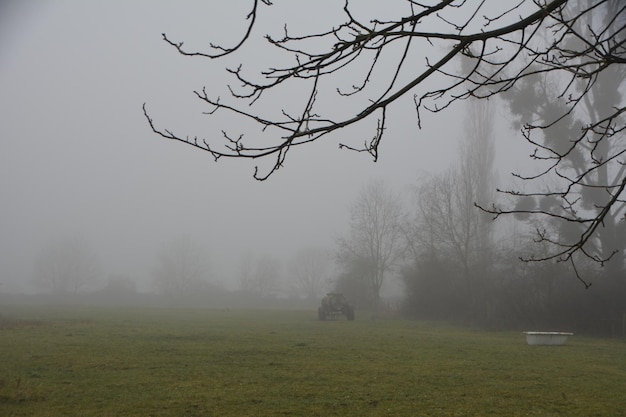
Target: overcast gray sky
x=79, y=158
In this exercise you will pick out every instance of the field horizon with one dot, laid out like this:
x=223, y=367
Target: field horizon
x=63, y=361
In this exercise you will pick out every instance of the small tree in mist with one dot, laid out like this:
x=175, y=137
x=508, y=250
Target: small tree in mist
x=119, y=285
x=267, y=276
x=66, y=265
x=370, y=57
x=246, y=271
x=375, y=240
x=259, y=276
x=182, y=265
x=309, y=269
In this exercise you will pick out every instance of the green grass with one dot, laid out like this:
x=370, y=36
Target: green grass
x=159, y=362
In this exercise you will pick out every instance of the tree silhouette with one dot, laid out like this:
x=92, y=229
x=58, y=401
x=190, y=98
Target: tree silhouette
x=66, y=265
x=374, y=243
x=309, y=268
x=181, y=266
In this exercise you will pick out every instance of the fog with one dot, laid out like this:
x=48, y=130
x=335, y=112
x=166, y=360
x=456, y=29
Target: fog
x=78, y=156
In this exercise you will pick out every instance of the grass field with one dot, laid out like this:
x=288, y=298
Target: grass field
x=159, y=362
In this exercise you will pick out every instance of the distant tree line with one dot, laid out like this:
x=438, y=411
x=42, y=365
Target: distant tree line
x=458, y=264
x=455, y=263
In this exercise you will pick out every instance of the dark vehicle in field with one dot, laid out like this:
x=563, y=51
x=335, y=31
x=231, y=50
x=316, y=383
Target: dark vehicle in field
x=334, y=305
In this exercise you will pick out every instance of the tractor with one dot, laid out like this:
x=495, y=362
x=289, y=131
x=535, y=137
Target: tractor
x=334, y=305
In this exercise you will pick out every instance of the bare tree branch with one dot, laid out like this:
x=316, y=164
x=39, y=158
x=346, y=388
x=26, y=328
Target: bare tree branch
x=557, y=63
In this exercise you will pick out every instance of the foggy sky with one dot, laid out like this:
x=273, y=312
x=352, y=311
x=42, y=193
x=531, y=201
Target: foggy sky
x=78, y=156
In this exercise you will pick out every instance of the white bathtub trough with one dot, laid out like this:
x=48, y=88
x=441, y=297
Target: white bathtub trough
x=547, y=338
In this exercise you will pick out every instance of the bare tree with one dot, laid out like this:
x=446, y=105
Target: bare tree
x=267, y=276
x=417, y=54
x=376, y=239
x=246, y=271
x=310, y=268
x=448, y=225
x=66, y=265
x=259, y=275
x=448, y=228
x=181, y=266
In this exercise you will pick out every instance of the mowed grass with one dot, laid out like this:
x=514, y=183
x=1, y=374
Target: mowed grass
x=175, y=362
